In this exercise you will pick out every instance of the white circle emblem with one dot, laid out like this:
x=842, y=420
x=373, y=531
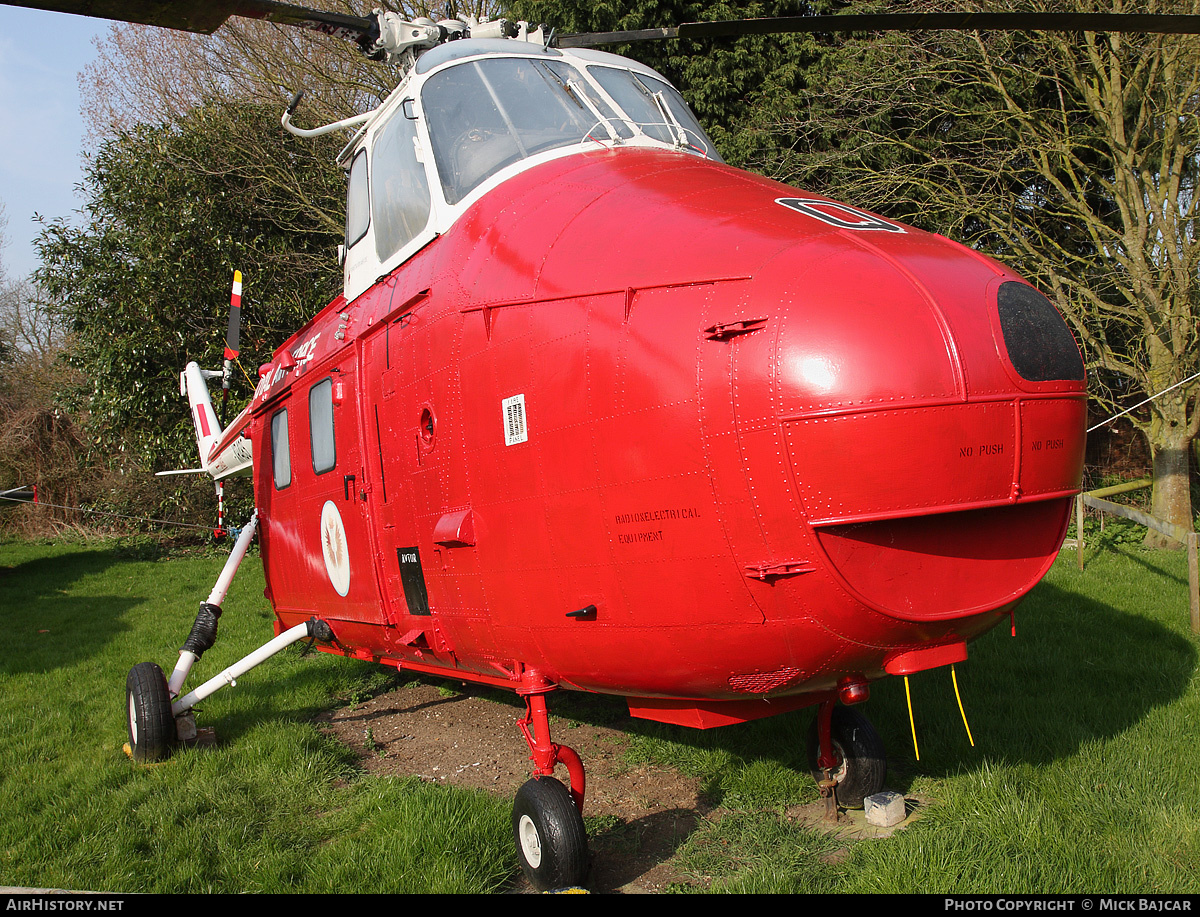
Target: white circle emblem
x=334, y=548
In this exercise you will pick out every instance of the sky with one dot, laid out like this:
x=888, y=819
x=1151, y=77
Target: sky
x=40, y=129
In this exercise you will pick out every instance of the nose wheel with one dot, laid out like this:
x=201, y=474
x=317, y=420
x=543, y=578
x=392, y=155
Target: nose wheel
x=548, y=829
x=547, y=818
x=853, y=754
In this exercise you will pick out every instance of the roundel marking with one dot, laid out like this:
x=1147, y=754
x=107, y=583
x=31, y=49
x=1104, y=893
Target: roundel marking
x=842, y=216
x=334, y=548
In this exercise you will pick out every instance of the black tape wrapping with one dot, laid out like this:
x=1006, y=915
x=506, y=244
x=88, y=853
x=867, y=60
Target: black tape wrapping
x=204, y=631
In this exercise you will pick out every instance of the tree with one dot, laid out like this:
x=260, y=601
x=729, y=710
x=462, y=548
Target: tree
x=150, y=75
x=193, y=178
x=5, y=339
x=40, y=443
x=144, y=75
x=143, y=285
x=1071, y=157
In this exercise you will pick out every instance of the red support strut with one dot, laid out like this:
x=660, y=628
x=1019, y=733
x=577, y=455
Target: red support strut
x=827, y=759
x=544, y=754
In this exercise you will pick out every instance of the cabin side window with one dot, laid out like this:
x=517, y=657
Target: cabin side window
x=281, y=458
x=320, y=426
x=358, y=209
x=399, y=189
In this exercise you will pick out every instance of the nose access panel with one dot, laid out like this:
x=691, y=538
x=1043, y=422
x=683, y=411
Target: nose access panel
x=940, y=512
x=874, y=465
x=936, y=505
x=884, y=464
x=950, y=565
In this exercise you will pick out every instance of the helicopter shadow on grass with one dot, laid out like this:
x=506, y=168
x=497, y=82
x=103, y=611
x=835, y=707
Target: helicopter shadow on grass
x=1080, y=670
x=285, y=687
x=1131, y=551
x=46, y=625
x=1033, y=699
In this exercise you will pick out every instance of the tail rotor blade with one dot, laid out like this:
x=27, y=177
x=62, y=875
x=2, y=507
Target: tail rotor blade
x=235, y=319
x=232, y=337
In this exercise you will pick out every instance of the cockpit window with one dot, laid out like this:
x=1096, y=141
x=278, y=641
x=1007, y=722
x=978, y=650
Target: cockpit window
x=399, y=190
x=358, y=208
x=656, y=107
x=487, y=114
x=610, y=124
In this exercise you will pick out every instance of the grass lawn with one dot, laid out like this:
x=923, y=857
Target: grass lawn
x=1082, y=778
x=274, y=807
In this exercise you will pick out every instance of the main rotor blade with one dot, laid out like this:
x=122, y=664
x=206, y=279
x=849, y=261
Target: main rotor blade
x=901, y=22
x=206, y=16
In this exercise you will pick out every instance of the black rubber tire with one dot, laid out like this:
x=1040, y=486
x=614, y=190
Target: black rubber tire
x=863, y=766
x=148, y=713
x=548, y=831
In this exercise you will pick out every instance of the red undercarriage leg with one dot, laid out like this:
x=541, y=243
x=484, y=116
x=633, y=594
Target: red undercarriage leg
x=535, y=726
x=827, y=759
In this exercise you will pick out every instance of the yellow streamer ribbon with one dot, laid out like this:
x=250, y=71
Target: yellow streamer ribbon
x=954, y=677
x=911, y=722
x=244, y=373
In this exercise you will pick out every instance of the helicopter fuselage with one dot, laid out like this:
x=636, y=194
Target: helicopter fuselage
x=648, y=425
x=596, y=411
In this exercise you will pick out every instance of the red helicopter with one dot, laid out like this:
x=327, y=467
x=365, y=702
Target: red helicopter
x=598, y=412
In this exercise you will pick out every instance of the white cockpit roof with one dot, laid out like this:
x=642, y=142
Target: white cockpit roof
x=473, y=113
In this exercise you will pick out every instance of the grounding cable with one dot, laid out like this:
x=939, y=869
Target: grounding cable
x=102, y=512
x=1140, y=403
x=911, y=722
x=954, y=678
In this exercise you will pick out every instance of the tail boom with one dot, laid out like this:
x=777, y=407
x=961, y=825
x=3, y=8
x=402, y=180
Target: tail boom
x=224, y=452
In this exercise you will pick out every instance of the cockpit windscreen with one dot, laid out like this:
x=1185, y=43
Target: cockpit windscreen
x=486, y=114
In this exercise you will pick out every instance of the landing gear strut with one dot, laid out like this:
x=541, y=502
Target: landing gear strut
x=157, y=717
x=547, y=818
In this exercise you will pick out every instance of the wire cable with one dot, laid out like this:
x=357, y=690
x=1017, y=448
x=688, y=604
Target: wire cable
x=102, y=512
x=1140, y=403
x=911, y=722
x=954, y=678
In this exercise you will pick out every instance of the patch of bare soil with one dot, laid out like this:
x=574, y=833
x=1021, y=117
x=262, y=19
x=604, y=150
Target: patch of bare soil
x=470, y=738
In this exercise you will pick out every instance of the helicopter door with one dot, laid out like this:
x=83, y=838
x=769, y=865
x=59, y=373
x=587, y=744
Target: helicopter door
x=334, y=509
x=402, y=577
x=276, y=494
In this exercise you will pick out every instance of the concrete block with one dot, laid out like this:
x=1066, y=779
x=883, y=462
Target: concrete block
x=884, y=809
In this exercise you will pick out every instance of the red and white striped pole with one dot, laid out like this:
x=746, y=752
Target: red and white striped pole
x=220, y=532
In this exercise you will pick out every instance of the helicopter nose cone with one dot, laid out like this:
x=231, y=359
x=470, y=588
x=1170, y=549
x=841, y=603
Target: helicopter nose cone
x=932, y=408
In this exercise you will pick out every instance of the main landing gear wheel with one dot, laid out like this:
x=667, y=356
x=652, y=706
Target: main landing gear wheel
x=548, y=830
x=862, y=765
x=148, y=713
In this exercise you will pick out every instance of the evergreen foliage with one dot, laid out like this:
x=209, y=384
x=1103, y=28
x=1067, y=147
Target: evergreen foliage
x=142, y=286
